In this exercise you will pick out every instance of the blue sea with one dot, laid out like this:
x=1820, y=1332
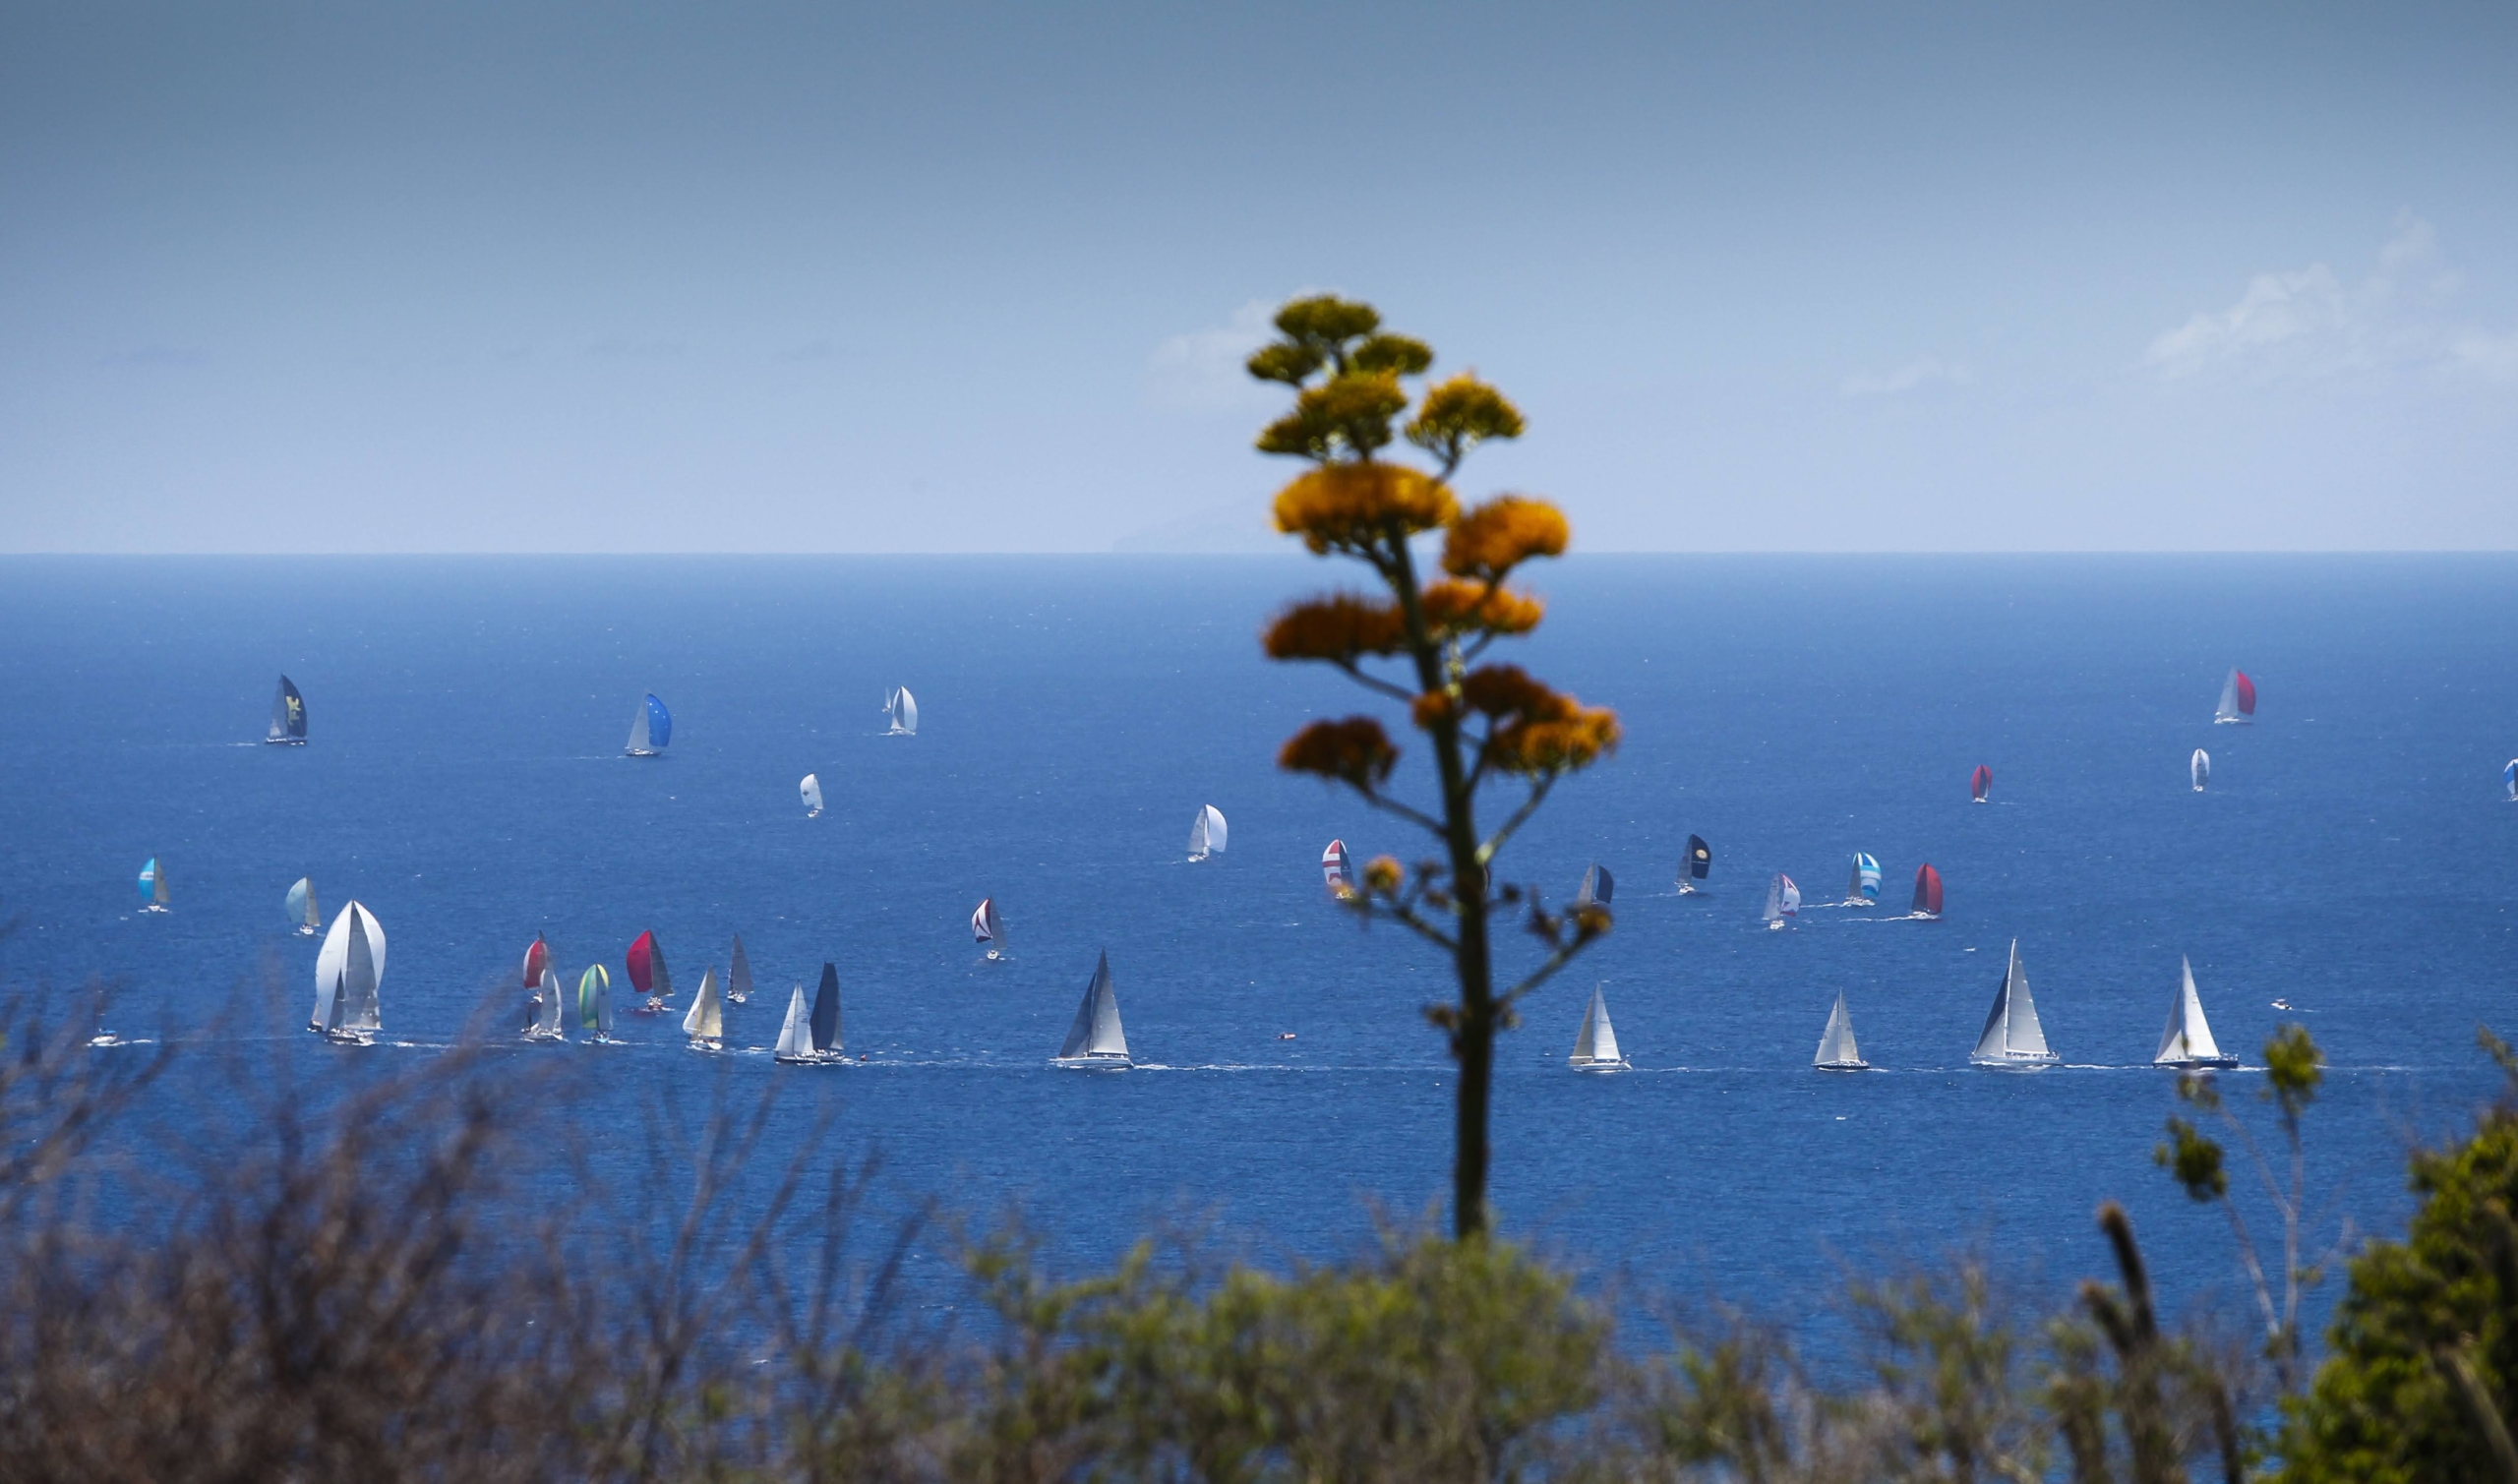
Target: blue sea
x=466, y=781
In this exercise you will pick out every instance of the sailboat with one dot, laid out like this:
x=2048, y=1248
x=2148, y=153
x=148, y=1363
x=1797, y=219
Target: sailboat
x=537, y=960
x=2013, y=1037
x=1784, y=900
x=288, y=717
x=2188, y=1041
x=152, y=886
x=650, y=729
x=1338, y=869
x=823, y=1023
x=1837, y=1051
x=2238, y=701
x=648, y=976
x=302, y=908
x=739, y=975
x=1096, y=1039
x=1696, y=867
x=1863, y=888
x=902, y=708
x=812, y=792
x=1206, y=832
x=1596, y=889
x=548, y=1020
x=793, y=1045
x=1981, y=783
x=988, y=927
x=705, y=1024
x=2509, y=779
x=1596, y=1044
x=2201, y=768
x=1927, y=892
x=542, y=1005
x=594, y=1004
x=348, y=970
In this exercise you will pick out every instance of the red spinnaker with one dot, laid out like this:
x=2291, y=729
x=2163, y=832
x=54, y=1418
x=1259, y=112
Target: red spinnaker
x=643, y=964
x=1927, y=890
x=1981, y=782
x=2246, y=694
x=536, y=959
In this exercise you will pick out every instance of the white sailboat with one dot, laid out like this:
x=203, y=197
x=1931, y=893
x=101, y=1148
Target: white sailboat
x=546, y=1017
x=2238, y=701
x=902, y=708
x=1596, y=1046
x=1597, y=887
x=1784, y=900
x=348, y=970
x=812, y=792
x=987, y=926
x=1837, y=1051
x=2013, y=1037
x=793, y=1044
x=302, y=908
x=705, y=1024
x=1206, y=832
x=2188, y=1041
x=1862, y=887
x=2200, y=768
x=1095, y=1039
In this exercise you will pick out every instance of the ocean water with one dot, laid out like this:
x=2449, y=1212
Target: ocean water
x=466, y=781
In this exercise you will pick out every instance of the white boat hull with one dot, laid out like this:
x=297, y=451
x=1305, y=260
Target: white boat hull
x=1842, y=1066
x=2016, y=1063
x=283, y=741
x=1594, y=1064
x=1092, y=1063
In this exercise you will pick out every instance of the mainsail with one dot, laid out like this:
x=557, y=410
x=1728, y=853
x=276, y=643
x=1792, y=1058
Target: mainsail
x=2238, y=701
x=651, y=729
x=288, y=716
x=303, y=910
x=1783, y=899
x=902, y=707
x=2188, y=1041
x=1981, y=783
x=594, y=1000
x=707, y=1018
x=1206, y=832
x=812, y=790
x=1863, y=888
x=1697, y=865
x=2012, y=1036
x=824, y=1023
x=2201, y=768
x=348, y=970
x=1837, y=1051
x=739, y=973
x=1338, y=868
x=1597, y=887
x=791, y=1042
x=1927, y=891
x=1095, y=1036
x=152, y=886
x=1596, y=1044
x=548, y=1026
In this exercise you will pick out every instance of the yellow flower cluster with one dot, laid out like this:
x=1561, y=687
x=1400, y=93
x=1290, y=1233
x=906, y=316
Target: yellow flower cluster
x=1456, y=607
x=1354, y=751
x=1503, y=533
x=1355, y=506
x=1537, y=730
x=1339, y=627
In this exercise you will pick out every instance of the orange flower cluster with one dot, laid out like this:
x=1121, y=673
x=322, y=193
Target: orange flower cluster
x=1535, y=729
x=1355, y=751
x=1459, y=415
x=1354, y=506
x=1339, y=627
x=1503, y=533
x=1454, y=607
x=1382, y=873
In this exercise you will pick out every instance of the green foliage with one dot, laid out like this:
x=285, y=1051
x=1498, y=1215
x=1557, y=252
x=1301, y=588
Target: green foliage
x=2195, y=1159
x=2293, y=1068
x=2386, y=1406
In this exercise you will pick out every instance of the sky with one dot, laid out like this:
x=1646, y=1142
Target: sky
x=936, y=278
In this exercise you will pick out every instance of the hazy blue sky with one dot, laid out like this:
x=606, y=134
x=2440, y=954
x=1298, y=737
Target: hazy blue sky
x=946, y=278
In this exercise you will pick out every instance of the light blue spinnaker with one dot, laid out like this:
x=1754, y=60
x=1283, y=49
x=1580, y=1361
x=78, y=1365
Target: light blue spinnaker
x=152, y=885
x=1862, y=888
x=2509, y=779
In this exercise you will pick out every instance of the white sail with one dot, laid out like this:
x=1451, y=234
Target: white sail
x=2202, y=768
x=812, y=790
x=1774, y=912
x=352, y=924
x=1837, y=1046
x=638, y=736
x=1596, y=1044
x=2012, y=1031
x=987, y=926
x=2189, y=1036
x=364, y=975
x=1207, y=833
x=707, y=1018
x=1096, y=1035
x=792, y=1043
x=548, y=1023
x=902, y=707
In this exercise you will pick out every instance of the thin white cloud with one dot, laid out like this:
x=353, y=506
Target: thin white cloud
x=1203, y=372
x=2306, y=323
x=1922, y=372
